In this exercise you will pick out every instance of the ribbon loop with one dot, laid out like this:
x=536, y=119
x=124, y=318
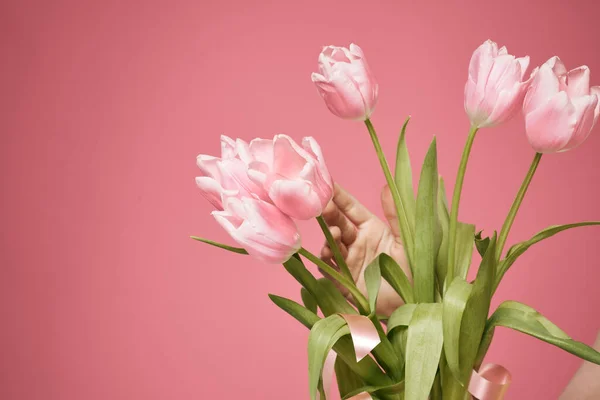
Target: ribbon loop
x=490, y=382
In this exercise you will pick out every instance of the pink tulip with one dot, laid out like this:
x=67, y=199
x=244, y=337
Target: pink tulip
x=227, y=175
x=560, y=107
x=495, y=88
x=296, y=178
x=259, y=227
x=346, y=83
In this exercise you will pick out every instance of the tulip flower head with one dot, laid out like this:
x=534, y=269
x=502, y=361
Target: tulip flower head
x=346, y=83
x=560, y=107
x=495, y=88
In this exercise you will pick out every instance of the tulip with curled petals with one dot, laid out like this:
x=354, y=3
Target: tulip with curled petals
x=295, y=177
x=495, y=87
x=260, y=228
x=346, y=83
x=560, y=107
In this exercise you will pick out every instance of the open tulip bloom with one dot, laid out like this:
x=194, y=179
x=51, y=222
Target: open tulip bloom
x=434, y=344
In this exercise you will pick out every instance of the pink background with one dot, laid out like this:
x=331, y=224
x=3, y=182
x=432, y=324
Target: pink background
x=105, y=106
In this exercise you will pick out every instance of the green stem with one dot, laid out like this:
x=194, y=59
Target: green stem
x=335, y=249
x=361, y=301
x=510, y=218
x=456, y=201
x=405, y=228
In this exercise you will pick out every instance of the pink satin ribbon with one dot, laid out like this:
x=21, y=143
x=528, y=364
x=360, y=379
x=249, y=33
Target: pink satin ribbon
x=490, y=382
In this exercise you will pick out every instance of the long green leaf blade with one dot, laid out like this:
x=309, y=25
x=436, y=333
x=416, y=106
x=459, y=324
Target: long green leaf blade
x=324, y=334
x=401, y=316
x=455, y=302
x=223, y=246
x=308, y=300
x=373, y=282
x=423, y=350
x=465, y=240
x=444, y=219
x=518, y=249
x=476, y=313
x=426, y=245
x=301, y=314
x=347, y=380
x=396, y=277
x=524, y=319
x=403, y=177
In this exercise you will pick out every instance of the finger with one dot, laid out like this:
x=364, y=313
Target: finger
x=337, y=235
x=350, y=207
x=389, y=210
x=334, y=217
x=327, y=254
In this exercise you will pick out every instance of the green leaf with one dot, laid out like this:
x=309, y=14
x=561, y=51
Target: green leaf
x=423, y=350
x=525, y=319
x=401, y=316
x=373, y=282
x=324, y=334
x=454, y=304
x=392, y=272
x=515, y=251
x=444, y=219
x=331, y=298
x=238, y=250
x=328, y=297
x=367, y=368
x=476, y=312
x=426, y=245
x=403, y=177
x=394, y=389
x=481, y=243
x=347, y=380
x=465, y=234
x=301, y=314
x=308, y=300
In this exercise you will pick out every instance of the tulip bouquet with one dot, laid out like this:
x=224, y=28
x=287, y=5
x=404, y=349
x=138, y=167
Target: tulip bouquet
x=432, y=344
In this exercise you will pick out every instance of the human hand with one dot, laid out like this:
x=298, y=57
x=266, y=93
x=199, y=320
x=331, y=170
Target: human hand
x=362, y=236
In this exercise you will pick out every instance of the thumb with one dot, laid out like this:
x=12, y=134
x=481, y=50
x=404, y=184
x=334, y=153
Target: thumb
x=389, y=210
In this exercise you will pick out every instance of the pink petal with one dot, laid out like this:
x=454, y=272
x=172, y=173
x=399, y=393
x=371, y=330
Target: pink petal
x=550, y=127
x=228, y=147
x=211, y=190
x=578, y=81
x=543, y=87
x=356, y=51
x=296, y=198
x=524, y=63
x=288, y=157
x=269, y=220
x=243, y=151
x=509, y=102
x=228, y=221
x=209, y=166
x=311, y=145
x=596, y=90
x=262, y=150
x=347, y=101
x=584, y=114
x=556, y=65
